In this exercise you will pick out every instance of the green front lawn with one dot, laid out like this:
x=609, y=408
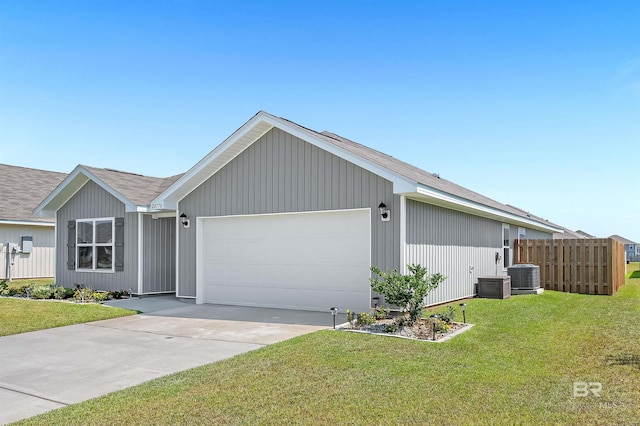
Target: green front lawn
x=518, y=365
x=21, y=316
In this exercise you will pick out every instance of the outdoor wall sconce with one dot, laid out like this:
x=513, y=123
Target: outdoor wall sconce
x=385, y=213
x=463, y=307
x=184, y=219
x=334, y=312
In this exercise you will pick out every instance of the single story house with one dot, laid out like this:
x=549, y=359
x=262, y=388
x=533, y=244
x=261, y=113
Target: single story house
x=631, y=248
x=279, y=215
x=27, y=244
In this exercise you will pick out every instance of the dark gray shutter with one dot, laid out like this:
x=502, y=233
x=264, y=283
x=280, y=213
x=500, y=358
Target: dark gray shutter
x=71, y=245
x=119, y=257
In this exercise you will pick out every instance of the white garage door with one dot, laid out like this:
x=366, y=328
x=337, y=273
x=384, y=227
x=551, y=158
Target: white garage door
x=309, y=261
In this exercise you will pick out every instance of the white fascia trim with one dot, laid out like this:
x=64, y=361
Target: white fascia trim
x=403, y=234
x=482, y=210
x=177, y=225
x=27, y=223
x=42, y=211
x=400, y=183
x=140, y=251
x=165, y=196
x=199, y=274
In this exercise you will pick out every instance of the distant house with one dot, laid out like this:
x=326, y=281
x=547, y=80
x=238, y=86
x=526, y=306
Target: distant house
x=585, y=234
x=631, y=248
x=28, y=243
x=567, y=233
x=279, y=215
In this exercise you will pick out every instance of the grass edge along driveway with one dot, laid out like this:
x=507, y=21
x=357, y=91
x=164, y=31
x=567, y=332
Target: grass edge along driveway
x=24, y=315
x=518, y=365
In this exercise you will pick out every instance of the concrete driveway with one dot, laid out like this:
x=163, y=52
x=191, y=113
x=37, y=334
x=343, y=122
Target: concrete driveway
x=49, y=369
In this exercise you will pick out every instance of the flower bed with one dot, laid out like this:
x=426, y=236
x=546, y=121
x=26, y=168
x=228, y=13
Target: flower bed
x=422, y=329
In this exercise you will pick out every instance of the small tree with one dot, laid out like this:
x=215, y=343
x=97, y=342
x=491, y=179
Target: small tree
x=406, y=291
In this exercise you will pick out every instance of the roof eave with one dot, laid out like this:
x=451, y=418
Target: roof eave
x=244, y=137
x=70, y=186
x=442, y=199
x=26, y=223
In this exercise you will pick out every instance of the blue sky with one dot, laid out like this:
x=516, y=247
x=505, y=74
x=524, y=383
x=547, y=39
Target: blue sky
x=535, y=104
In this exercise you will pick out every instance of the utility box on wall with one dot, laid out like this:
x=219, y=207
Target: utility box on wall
x=27, y=244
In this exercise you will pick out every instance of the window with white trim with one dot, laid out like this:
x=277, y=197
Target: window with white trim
x=94, y=244
x=506, y=246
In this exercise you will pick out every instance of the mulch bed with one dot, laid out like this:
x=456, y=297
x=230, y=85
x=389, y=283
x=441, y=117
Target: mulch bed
x=421, y=330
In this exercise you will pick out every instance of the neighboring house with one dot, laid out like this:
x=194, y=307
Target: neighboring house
x=631, y=248
x=567, y=233
x=279, y=215
x=585, y=234
x=28, y=243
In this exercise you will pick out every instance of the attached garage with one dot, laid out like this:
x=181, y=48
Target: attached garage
x=308, y=261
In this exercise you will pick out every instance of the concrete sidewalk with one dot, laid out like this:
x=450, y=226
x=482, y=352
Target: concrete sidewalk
x=49, y=369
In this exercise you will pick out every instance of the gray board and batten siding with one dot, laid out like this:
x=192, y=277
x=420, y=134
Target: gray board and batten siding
x=159, y=254
x=458, y=245
x=281, y=173
x=90, y=202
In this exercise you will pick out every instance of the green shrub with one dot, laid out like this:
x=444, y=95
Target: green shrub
x=119, y=294
x=365, y=318
x=406, y=291
x=390, y=328
x=401, y=321
x=447, y=314
x=350, y=316
x=100, y=296
x=21, y=289
x=441, y=326
x=43, y=291
x=381, y=313
x=60, y=292
x=83, y=294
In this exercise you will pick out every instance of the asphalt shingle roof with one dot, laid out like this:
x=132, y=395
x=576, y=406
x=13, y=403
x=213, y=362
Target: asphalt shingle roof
x=418, y=175
x=623, y=239
x=22, y=189
x=139, y=189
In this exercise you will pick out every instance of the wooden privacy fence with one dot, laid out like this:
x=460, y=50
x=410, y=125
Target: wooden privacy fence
x=587, y=266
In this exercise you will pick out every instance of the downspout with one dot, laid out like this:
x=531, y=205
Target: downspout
x=8, y=263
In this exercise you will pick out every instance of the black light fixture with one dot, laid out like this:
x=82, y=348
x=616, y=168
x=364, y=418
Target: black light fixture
x=334, y=312
x=463, y=307
x=385, y=213
x=184, y=219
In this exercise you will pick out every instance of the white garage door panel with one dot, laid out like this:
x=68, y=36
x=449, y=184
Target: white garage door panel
x=301, y=261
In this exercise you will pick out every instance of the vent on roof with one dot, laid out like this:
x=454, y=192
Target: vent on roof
x=436, y=175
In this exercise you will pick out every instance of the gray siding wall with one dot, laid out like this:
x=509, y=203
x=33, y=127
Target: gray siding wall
x=458, y=245
x=37, y=264
x=159, y=254
x=281, y=173
x=450, y=243
x=91, y=201
x=531, y=234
